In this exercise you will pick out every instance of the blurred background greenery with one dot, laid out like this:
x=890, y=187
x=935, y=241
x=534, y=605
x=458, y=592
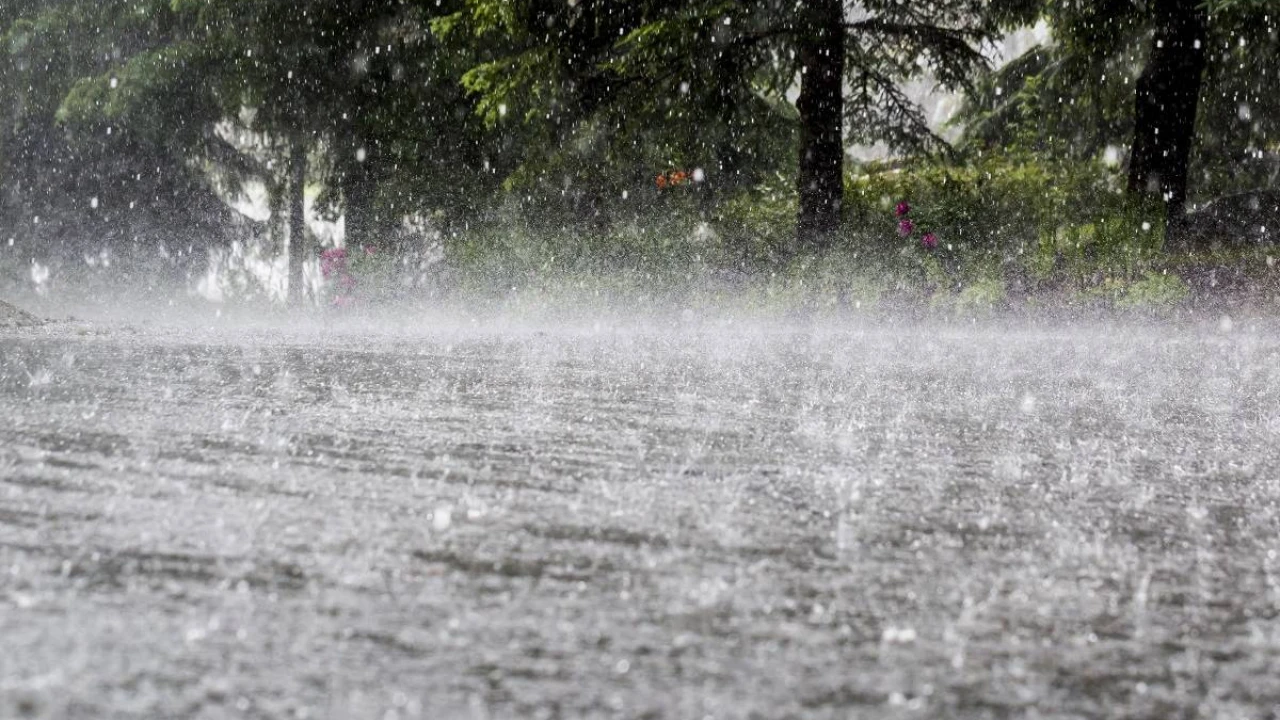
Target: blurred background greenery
x=486, y=142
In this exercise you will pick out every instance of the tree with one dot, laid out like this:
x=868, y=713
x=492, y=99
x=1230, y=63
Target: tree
x=820, y=179
x=1167, y=95
x=591, y=102
x=369, y=91
x=103, y=186
x=662, y=61
x=297, y=220
x=1185, y=85
x=362, y=96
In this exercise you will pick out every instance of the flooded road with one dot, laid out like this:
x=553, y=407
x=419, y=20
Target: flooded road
x=713, y=520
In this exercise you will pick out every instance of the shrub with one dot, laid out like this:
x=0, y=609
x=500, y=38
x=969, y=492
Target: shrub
x=997, y=211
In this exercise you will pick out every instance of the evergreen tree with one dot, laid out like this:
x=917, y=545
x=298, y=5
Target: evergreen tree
x=729, y=67
x=132, y=103
x=110, y=186
x=1186, y=87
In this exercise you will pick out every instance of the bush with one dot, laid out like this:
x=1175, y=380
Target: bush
x=1154, y=289
x=758, y=226
x=1005, y=226
x=1000, y=214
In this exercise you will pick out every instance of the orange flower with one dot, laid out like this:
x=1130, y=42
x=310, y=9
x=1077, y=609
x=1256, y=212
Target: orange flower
x=678, y=177
x=661, y=181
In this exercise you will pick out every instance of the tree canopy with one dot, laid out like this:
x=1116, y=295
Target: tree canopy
x=147, y=118
x=1075, y=97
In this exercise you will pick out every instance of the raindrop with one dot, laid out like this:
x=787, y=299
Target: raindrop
x=39, y=273
x=1028, y=403
x=442, y=518
x=896, y=635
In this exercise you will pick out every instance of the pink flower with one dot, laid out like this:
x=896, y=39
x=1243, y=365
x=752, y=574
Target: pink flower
x=905, y=227
x=930, y=241
x=901, y=209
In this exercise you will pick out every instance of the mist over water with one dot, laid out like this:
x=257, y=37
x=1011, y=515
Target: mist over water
x=600, y=511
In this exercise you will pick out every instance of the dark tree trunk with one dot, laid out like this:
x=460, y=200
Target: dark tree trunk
x=821, y=105
x=1168, y=95
x=297, y=221
x=356, y=181
x=277, y=220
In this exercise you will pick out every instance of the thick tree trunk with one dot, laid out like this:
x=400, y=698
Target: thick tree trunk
x=356, y=181
x=277, y=219
x=297, y=221
x=821, y=105
x=1168, y=95
x=357, y=215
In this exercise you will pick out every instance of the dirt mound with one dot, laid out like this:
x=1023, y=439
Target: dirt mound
x=11, y=316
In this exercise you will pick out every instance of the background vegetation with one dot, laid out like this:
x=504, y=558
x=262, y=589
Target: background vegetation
x=477, y=142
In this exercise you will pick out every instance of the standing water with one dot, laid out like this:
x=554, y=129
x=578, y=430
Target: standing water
x=727, y=520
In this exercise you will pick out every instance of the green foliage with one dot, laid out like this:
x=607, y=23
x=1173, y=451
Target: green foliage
x=216, y=92
x=507, y=247
x=596, y=98
x=1074, y=98
x=1005, y=225
x=528, y=134
x=1152, y=290
x=117, y=177
x=1063, y=104
x=998, y=209
x=1238, y=127
x=594, y=90
x=758, y=224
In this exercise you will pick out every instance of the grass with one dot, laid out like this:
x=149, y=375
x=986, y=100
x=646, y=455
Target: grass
x=1015, y=235
x=696, y=266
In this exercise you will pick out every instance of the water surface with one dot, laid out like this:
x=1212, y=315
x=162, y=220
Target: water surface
x=671, y=520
